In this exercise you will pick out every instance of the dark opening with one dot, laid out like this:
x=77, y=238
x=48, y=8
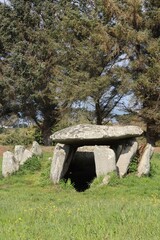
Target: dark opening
x=82, y=170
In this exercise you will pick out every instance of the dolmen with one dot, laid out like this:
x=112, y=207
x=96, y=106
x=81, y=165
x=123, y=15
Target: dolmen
x=112, y=149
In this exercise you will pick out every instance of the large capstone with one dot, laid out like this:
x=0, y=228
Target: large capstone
x=87, y=134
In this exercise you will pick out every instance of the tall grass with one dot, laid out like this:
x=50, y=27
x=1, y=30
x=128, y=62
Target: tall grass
x=31, y=208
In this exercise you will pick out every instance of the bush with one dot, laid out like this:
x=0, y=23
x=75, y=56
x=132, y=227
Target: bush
x=17, y=136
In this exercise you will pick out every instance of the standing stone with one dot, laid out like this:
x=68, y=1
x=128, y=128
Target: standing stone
x=26, y=155
x=18, y=152
x=8, y=164
x=63, y=154
x=128, y=152
x=105, y=160
x=144, y=165
x=36, y=149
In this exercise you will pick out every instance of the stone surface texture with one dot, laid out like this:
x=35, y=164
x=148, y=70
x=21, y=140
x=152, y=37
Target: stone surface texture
x=36, y=149
x=9, y=165
x=105, y=160
x=26, y=155
x=106, y=180
x=144, y=165
x=128, y=152
x=85, y=134
x=62, y=157
x=18, y=153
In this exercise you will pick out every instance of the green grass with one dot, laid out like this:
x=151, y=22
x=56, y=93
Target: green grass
x=31, y=208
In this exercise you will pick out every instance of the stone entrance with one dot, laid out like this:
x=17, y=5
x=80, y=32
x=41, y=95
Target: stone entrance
x=82, y=169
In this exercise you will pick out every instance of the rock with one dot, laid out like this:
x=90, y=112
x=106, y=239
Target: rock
x=144, y=165
x=18, y=153
x=105, y=160
x=26, y=155
x=36, y=149
x=87, y=134
x=9, y=165
x=63, y=154
x=128, y=152
x=106, y=180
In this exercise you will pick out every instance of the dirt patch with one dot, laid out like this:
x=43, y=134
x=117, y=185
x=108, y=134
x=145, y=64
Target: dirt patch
x=157, y=149
x=4, y=149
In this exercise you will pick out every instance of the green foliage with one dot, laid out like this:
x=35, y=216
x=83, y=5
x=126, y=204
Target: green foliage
x=16, y=136
x=66, y=185
x=133, y=165
x=105, y=49
x=38, y=136
x=30, y=166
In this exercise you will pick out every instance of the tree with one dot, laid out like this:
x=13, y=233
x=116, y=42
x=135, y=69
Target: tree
x=94, y=49
x=144, y=67
x=32, y=55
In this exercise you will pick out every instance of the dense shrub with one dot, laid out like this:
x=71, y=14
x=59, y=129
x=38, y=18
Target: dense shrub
x=17, y=136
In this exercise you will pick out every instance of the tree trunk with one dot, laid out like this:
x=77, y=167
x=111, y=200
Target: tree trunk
x=98, y=114
x=151, y=133
x=46, y=133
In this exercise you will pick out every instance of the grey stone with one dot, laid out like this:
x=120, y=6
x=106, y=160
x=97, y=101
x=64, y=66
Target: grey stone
x=87, y=134
x=144, y=165
x=105, y=160
x=63, y=154
x=106, y=180
x=18, y=153
x=36, y=149
x=9, y=165
x=26, y=155
x=128, y=152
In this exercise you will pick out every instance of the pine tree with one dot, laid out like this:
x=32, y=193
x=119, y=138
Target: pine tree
x=94, y=46
x=145, y=66
x=30, y=37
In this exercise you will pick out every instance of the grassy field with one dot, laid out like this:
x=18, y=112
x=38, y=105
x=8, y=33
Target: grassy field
x=31, y=208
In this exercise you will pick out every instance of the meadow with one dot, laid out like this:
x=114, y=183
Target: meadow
x=32, y=208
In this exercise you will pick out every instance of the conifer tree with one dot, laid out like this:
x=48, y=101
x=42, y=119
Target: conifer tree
x=145, y=67
x=94, y=48
x=30, y=36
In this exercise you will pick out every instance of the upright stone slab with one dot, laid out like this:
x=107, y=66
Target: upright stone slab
x=63, y=154
x=8, y=164
x=128, y=152
x=36, y=149
x=144, y=165
x=18, y=154
x=26, y=155
x=105, y=160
